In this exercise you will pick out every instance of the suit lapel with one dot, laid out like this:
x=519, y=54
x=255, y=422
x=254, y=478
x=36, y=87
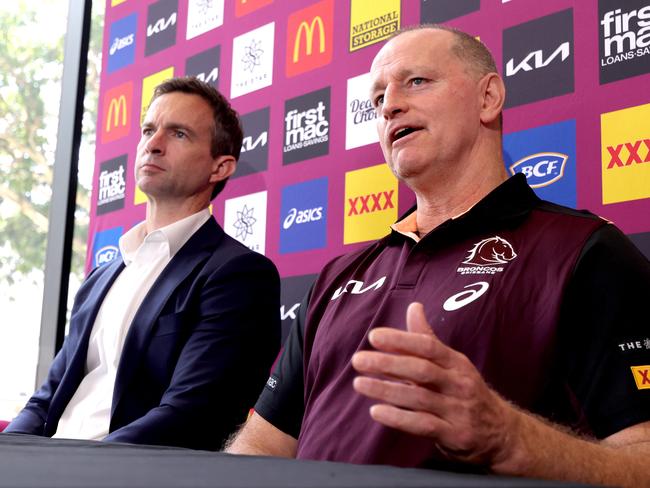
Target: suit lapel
x=197, y=248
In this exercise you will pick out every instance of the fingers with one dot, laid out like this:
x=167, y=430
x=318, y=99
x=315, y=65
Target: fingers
x=416, y=423
x=416, y=321
x=405, y=368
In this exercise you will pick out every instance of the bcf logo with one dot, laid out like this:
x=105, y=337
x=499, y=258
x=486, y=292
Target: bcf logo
x=546, y=157
x=370, y=203
x=303, y=216
x=105, y=246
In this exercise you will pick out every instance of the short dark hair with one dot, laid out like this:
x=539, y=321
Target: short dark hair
x=468, y=49
x=228, y=134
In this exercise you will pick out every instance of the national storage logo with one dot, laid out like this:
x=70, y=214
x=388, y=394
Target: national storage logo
x=624, y=39
x=161, y=26
x=625, y=140
x=309, y=38
x=203, y=16
x=360, y=116
x=205, y=66
x=306, y=126
x=121, y=43
x=546, y=155
x=105, y=246
x=116, y=111
x=254, y=155
x=252, y=60
x=373, y=21
x=370, y=203
x=303, y=216
x=437, y=11
x=538, y=58
x=111, y=187
x=245, y=220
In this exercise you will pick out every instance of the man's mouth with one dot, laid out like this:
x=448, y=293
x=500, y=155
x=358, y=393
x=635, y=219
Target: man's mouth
x=403, y=132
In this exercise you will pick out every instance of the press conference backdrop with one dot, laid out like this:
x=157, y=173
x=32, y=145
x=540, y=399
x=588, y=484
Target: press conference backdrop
x=312, y=182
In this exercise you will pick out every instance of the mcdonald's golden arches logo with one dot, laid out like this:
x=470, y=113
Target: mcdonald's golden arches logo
x=309, y=38
x=117, y=109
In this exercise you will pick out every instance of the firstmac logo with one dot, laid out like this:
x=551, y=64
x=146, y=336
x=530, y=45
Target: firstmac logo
x=117, y=110
x=538, y=58
x=309, y=38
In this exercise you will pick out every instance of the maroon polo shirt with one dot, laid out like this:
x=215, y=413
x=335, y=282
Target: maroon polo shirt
x=515, y=284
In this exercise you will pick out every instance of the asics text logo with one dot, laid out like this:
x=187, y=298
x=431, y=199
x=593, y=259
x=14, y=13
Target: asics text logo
x=302, y=216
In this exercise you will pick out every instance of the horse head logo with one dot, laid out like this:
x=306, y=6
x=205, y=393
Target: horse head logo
x=491, y=251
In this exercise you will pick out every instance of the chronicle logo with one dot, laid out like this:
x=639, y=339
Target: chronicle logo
x=356, y=287
x=161, y=26
x=486, y=256
x=624, y=39
x=538, y=58
x=252, y=60
x=541, y=169
x=205, y=66
x=112, y=185
x=459, y=300
x=306, y=129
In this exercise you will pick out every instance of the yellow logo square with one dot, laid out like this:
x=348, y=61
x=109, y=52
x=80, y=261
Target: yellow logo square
x=370, y=203
x=149, y=83
x=116, y=2
x=641, y=376
x=625, y=148
x=372, y=21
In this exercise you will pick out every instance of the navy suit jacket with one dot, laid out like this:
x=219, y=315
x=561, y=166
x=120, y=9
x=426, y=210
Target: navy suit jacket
x=196, y=356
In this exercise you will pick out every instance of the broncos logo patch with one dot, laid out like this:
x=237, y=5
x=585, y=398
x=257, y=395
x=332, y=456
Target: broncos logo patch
x=489, y=252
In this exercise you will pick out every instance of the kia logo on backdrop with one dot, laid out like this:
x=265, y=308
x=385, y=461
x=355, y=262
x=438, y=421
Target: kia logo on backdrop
x=117, y=109
x=105, y=246
x=303, y=216
x=360, y=116
x=293, y=290
x=538, y=59
x=309, y=38
x=161, y=26
x=254, y=155
x=436, y=11
x=205, y=66
x=121, y=43
x=245, y=220
x=111, y=187
x=306, y=126
x=203, y=16
x=546, y=156
x=252, y=60
x=624, y=39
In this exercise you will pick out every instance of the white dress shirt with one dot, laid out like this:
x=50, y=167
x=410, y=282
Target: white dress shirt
x=87, y=415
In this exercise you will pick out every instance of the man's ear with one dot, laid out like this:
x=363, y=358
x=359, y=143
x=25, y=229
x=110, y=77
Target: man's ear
x=493, y=93
x=223, y=167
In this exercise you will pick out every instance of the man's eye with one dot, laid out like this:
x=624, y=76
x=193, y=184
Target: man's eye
x=379, y=100
x=417, y=81
x=146, y=131
x=180, y=134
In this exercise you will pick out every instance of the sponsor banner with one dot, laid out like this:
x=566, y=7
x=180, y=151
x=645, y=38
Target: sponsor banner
x=205, y=66
x=625, y=149
x=310, y=38
x=203, y=16
x=372, y=22
x=161, y=26
x=306, y=126
x=121, y=43
x=624, y=39
x=105, y=246
x=303, y=216
x=538, y=59
x=254, y=155
x=111, y=187
x=370, y=203
x=293, y=290
x=360, y=115
x=245, y=7
x=116, y=110
x=546, y=155
x=149, y=83
x=245, y=220
x=252, y=60
x=437, y=11
x=641, y=376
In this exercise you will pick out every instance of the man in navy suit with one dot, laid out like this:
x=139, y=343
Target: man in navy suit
x=172, y=343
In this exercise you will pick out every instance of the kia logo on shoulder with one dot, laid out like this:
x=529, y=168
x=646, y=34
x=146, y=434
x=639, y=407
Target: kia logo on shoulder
x=541, y=169
x=106, y=254
x=302, y=216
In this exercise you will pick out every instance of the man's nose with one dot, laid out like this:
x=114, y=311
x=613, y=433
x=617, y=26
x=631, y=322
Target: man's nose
x=394, y=102
x=155, y=143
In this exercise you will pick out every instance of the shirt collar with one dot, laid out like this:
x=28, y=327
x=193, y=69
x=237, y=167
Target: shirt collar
x=175, y=234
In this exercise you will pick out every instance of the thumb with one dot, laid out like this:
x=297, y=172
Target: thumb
x=416, y=321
